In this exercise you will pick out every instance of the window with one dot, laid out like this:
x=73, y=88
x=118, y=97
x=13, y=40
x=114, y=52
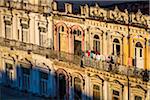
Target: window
x=9, y=73
x=96, y=43
x=8, y=29
x=42, y=37
x=61, y=29
x=139, y=60
x=77, y=47
x=138, y=98
x=25, y=33
x=138, y=49
x=26, y=78
x=62, y=86
x=43, y=83
x=116, y=47
x=77, y=89
x=96, y=92
x=115, y=95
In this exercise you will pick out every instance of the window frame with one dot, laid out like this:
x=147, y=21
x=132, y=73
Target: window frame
x=8, y=25
x=96, y=43
x=98, y=91
x=115, y=50
x=77, y=84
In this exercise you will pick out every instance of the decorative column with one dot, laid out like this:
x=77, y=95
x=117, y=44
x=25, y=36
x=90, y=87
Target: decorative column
x=125, y=92
x=36, y=31
x=104, y=41
x=15, y=27
x=131, y=46
x=106, y=89
x=87, y=86
x=32, y=29
x=125, y=50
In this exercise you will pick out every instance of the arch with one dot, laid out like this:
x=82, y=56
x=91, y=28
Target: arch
x=77, y=74
x=61, y=71
x=59, y=24
x=116, y=40
x=96, y=36
x=61, y=38
x=77, y=43
x=138, y=44
x=74, y=27
x=62, y=83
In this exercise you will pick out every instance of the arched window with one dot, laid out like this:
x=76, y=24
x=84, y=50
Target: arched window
x=138, y=47
x=61, y=29
x=96, y=43
x=62, y=86
x=61, y=38
x=116, y=47
x=96, y=92
x=77, y=89
x=138, y=97
x=77, y=42
x=139, y=58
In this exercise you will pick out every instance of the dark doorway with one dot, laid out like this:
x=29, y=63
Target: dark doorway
x=77, y=47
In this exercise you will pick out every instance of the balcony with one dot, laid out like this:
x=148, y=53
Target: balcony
x=25, y=6
x=70, y=58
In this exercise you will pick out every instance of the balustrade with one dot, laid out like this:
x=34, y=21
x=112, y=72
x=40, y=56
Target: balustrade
x=25, y=6
x=71, y=58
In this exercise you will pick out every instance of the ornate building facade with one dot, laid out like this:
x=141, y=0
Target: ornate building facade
x=98, y=54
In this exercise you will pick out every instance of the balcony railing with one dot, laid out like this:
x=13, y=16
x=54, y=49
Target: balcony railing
x=113, y=68
x=71, y=58
x=25, y=6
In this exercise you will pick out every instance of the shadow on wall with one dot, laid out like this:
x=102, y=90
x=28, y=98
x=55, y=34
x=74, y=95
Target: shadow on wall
x=39, y=84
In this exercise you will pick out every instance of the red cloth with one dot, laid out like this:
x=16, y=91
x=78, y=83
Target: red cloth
x=88, y=53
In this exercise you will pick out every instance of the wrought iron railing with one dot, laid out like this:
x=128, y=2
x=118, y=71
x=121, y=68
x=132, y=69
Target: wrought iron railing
x=71, y=58
x=25, y=6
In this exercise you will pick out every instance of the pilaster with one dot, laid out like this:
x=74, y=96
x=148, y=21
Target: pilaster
x=106, y=90
x=125, y=51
